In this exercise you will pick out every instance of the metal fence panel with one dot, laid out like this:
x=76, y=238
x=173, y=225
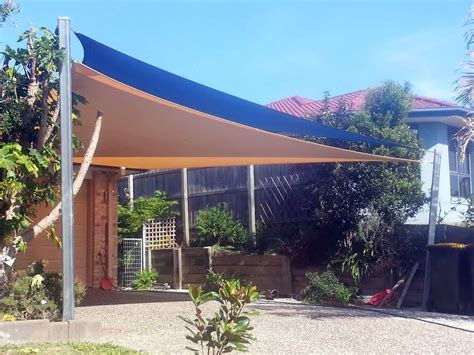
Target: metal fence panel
x=131, y=260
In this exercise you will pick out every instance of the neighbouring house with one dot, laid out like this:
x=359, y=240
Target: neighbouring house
x=435, y=122
x=95, y=231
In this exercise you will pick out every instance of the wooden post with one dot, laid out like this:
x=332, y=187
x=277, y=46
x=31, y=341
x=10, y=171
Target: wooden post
x=251, y=199
x=149, y=259
x=144, y=248
x=432, y=222
x=209, y=258
x=130, y=190
x=178, y=268
x=185, y=205
x=407, y=285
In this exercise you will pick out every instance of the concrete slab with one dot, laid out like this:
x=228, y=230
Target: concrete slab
x=24, y=331
x=58, y=331
x=84, y=330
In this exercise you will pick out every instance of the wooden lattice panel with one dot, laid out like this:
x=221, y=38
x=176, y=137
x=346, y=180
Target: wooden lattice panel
x=160, y=233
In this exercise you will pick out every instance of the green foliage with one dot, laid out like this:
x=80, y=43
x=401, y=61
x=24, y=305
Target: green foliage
x=36, y=294
x=215, y=280
x=216, y=225
x=303, y=243
x=132, y=216
x=325, y=288
x=146, y=280
x=344, y=196
x=7, y=8
x=29, y=163
x=229, y=329
x=465, y=82
x=468, y=214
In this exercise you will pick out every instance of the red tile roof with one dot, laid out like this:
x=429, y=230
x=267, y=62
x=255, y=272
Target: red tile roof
x=302, y=106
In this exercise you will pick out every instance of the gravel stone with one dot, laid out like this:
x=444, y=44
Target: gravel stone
x=284, y=326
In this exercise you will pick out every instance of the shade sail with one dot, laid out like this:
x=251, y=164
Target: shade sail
x=150, y=127
x=187, y=93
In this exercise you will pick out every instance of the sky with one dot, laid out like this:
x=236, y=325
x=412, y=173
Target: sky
x=264, y=51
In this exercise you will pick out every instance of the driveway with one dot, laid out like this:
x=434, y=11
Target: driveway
x=284, y=326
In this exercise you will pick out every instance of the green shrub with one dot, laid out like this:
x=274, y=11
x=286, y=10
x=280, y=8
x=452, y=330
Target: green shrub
x=229, y=329
x=216, y=225
x=130, y=220
x=215, y=280
x=325, y=288
x=36, y=294
x=146, y=280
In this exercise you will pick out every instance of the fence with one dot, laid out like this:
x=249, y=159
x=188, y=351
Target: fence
x=131, y=260
x=277, y=191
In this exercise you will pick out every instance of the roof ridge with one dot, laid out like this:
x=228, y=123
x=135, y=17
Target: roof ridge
x=289, y=98
x=338, y=96
x=433, y=100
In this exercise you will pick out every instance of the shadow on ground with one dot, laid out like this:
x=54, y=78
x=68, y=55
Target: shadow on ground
x=292, y=309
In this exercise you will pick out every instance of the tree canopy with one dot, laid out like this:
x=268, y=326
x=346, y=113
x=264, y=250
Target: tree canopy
x=346, y=199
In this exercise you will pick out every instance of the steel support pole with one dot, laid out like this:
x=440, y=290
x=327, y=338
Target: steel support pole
x=67, y=213
x=185, y=206
x=432, y=222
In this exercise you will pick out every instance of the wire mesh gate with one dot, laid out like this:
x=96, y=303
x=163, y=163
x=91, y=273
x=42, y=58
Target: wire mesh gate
x=131, y=260
x=135, y=253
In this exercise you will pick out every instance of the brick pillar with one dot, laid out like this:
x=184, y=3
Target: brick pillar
x=104, y=220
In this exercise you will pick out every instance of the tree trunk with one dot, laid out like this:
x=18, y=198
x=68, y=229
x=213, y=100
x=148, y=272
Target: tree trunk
x=53, y=216
x=9, y=252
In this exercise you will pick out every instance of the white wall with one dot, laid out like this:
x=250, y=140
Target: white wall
x=434, y=135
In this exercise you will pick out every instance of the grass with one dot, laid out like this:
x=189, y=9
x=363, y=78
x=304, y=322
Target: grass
x=66, y=348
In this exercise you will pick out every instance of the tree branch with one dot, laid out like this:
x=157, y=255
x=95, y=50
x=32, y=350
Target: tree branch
x=464, y=136
x=53, y=216
x=40, y=141
x=54, y=119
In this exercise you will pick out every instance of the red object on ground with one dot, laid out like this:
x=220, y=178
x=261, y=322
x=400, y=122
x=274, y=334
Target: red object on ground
x=107, y=284
x=377, y=299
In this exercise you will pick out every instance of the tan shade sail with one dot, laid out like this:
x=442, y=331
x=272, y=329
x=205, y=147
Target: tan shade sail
x=142, y=131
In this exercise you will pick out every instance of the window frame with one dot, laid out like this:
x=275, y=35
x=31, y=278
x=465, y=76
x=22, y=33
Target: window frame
x=468, y=160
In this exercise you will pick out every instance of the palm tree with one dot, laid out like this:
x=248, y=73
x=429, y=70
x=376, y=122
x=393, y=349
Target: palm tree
x=465, y=87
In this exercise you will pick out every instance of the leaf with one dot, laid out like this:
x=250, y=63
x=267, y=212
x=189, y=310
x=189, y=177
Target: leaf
x=238, y=346
x=187, y=320
x=37, y=281
x=251, y=313
x=194, y=293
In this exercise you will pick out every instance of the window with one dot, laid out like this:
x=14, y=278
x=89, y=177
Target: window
x=459, y=170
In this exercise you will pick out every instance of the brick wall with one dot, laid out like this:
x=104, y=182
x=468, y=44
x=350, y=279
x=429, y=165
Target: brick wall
x=95, y=230
x=104, y=227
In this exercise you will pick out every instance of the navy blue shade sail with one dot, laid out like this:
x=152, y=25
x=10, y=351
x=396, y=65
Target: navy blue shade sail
x=179, y=90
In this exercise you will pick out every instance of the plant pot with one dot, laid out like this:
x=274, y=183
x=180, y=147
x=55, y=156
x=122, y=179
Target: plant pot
x=450, y=281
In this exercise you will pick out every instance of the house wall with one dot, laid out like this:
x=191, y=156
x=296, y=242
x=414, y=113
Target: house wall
x=434, y=136
x=45, y=249
x=95, y=232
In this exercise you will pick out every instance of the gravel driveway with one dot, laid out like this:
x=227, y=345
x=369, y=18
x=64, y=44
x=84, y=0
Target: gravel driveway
x=285, y=326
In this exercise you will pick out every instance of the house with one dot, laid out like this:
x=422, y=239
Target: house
x=435, y=122
x=95, y=231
